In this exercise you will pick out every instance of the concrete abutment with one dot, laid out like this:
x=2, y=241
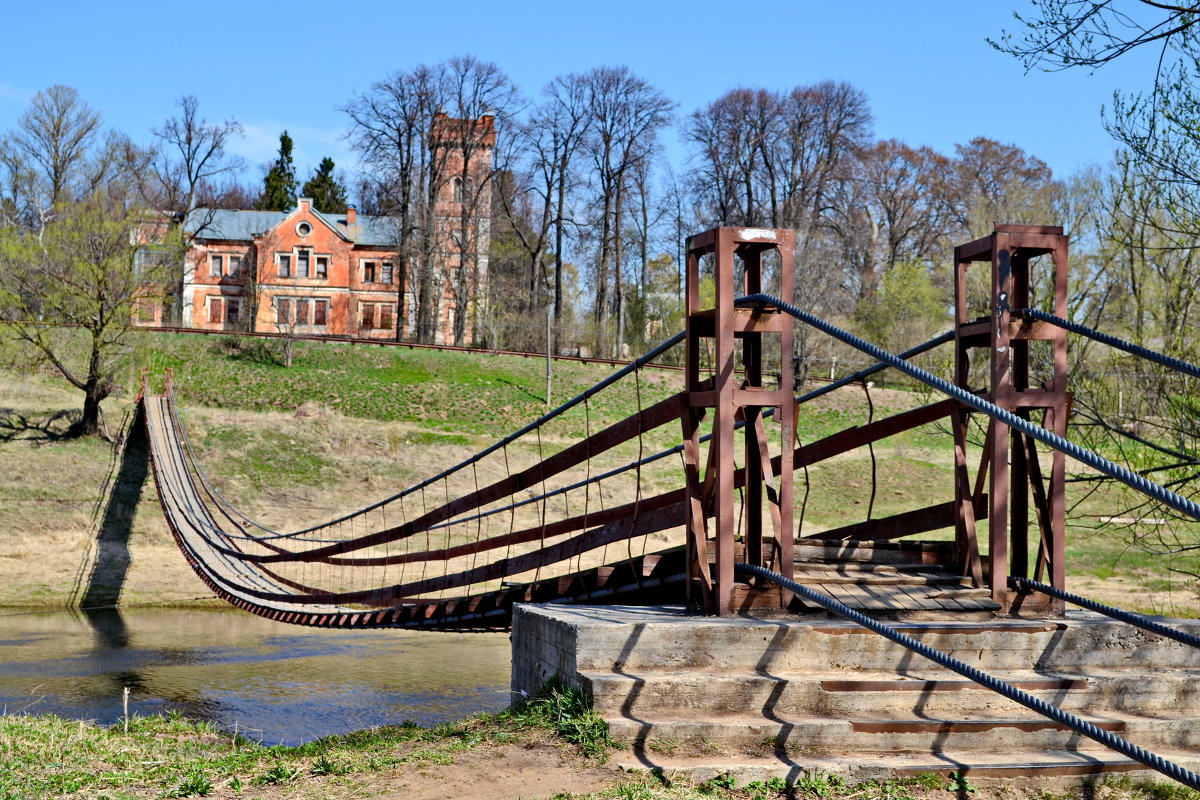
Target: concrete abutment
x=778, y=696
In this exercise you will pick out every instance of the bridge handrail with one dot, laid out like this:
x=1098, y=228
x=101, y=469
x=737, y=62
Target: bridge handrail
x=1112, y=341
x=859, y=375
x=1087, y=457
x=865, y=372
x=1077, y=724
x=1120, y=614
x=507, y=440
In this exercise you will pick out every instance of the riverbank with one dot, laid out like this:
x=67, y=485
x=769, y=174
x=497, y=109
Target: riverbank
x=346, y=426
x=82, y=525
x=546, y=748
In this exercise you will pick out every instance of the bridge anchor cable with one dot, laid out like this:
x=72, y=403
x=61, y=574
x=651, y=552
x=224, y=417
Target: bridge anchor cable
x=1048, y=438
x=1128, y=617
x=1077, y=724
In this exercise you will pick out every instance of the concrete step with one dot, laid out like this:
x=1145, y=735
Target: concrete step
x=803, y=735
x=930, y=694
x=1043, y=770
x=796, y=693
x=666, y=639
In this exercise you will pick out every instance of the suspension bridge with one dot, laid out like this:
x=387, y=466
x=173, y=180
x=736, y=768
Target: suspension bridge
x=606, y=519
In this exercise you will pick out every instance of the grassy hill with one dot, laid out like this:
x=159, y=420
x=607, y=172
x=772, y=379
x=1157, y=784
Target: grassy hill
x=349, y=424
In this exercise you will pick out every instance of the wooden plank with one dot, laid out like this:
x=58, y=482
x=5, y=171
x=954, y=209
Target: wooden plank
x=915, y=599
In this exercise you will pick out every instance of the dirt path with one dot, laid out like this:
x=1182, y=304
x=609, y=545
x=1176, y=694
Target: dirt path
x=518, y=771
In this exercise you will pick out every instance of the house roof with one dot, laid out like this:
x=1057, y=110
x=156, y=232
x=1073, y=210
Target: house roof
x=241, y=226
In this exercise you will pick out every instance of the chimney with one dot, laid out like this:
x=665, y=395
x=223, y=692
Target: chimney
x=351, y=216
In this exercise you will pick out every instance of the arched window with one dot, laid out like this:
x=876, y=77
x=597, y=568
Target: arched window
x=457, y=185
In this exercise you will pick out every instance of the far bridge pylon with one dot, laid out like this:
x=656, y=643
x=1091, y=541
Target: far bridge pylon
x=733, y=346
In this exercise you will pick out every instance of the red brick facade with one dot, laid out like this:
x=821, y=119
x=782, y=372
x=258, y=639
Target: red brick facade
x=308, y=273
x=336, y=274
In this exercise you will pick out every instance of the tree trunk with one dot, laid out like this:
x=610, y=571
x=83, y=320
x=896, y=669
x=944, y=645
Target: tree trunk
x=558, y=263
x=95, y=392
x=602, y=279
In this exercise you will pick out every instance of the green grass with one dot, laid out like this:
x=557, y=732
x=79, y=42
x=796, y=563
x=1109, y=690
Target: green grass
x=47, y=756
x=169, y=756
x=268, y=458
x=566, y=712
x=459, y=393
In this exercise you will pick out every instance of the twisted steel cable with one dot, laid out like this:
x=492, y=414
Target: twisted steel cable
x=1112, y=341
x=1083, y=455
x=1120, y=614
x=536, y=424
x=866, y=372
x=1077, y=724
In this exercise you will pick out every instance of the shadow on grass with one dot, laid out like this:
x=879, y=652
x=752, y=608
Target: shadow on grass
x=252, y=351
x=111, y=565
x=540, y=398
x=55, y=427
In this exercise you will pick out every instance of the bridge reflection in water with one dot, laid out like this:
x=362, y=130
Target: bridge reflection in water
x=271, y=682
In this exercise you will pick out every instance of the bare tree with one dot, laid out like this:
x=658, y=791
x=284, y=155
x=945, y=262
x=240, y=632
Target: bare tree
x=1091, y=33
x=85, y=268
x=44, y=157
x=825, y=128
x=482, y=101
x=541, y=156
x=734, y=136
x=414, y=148
x=192, y=153
x=1159, y=128
x=190, y=157
x=390, y=127
x=627, y=114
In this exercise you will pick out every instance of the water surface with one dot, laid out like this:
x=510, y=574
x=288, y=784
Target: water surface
x=274, y=682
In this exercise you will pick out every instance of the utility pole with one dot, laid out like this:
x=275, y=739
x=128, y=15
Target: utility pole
x=549, y=348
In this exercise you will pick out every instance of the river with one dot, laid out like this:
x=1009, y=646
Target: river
x=280, y=684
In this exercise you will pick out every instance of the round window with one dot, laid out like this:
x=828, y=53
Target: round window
x=304, y=229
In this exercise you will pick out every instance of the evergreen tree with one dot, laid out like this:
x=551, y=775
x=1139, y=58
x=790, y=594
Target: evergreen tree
x=328, y=196
x=279, y=184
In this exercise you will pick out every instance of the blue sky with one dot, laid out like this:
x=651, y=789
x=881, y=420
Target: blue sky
x=929, y=75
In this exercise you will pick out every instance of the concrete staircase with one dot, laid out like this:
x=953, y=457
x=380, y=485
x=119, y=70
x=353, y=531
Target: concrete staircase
x=766, y=697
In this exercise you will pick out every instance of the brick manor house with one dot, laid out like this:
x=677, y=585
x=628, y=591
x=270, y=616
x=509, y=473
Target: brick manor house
x=311, y=273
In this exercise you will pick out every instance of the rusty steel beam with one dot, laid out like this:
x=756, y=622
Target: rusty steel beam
x=631, y=427
x=736, y=337
x=906, y=523
x=1010, y=467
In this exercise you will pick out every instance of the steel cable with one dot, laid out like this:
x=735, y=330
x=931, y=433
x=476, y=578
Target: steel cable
x=1077, y=724
x=879, y=366
x=1128, y=617
x=815, y=393
x=1112, y=341
x=1093, y=460
x=537, y=423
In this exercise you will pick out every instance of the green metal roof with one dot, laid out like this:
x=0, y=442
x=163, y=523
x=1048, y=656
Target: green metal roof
x=241, y=226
